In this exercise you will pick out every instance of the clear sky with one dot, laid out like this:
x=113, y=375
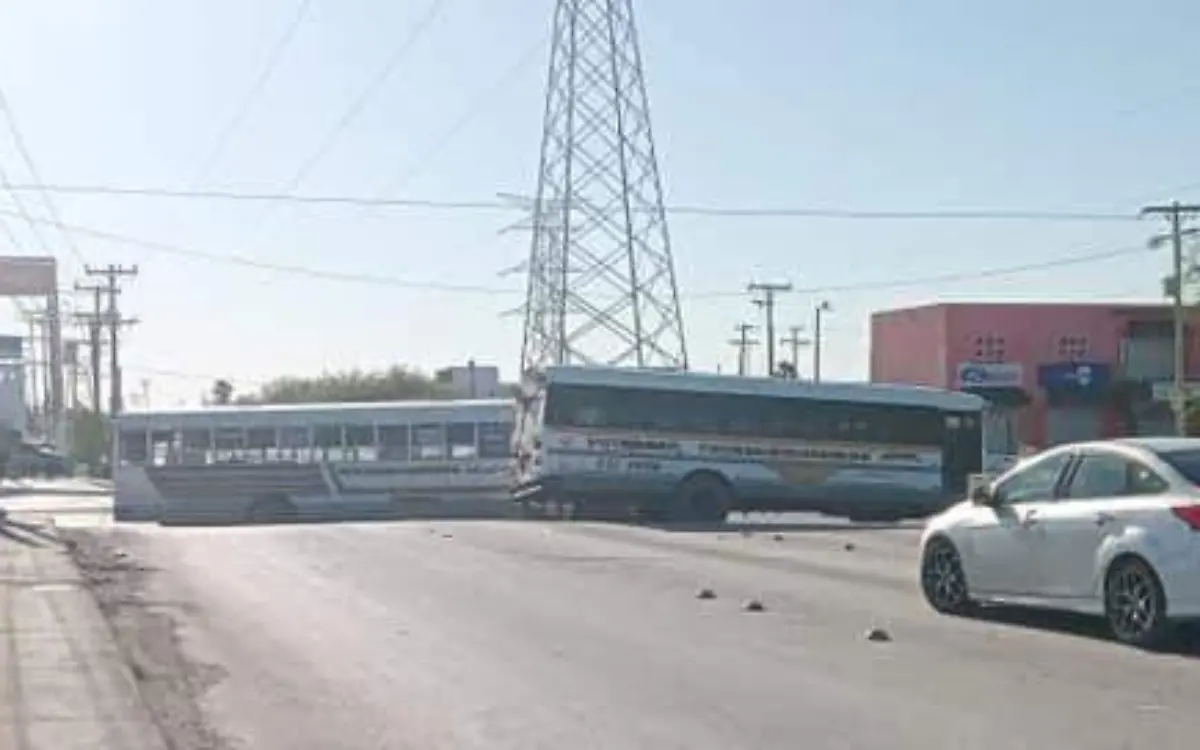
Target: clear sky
x=844, y=104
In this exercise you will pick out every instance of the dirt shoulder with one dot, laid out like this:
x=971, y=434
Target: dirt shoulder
x=146, y=631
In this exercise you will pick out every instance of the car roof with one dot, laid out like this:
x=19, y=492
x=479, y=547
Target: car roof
x=1161, y=444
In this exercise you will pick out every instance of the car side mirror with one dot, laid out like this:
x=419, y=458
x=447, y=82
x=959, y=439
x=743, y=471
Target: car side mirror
x=981, y=495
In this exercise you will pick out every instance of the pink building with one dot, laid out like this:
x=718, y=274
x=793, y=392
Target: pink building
x=1052, y=372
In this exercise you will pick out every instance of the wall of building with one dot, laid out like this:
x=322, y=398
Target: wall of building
x=1061, y=356
x=909, y=346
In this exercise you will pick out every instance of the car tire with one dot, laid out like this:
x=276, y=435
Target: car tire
x=1135, y=604
x=943, y=579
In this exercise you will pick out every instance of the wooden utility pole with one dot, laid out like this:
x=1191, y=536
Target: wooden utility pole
x=94, y=322
x=743, y=342
x=112, y=275
x=767, y=302
x=1175, y=212
x=795, y=342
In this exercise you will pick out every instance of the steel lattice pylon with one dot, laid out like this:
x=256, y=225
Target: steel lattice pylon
x=602, y=287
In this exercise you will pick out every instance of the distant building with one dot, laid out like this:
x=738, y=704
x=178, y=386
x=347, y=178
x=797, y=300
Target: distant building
x=472, y=380
x=1052, y=372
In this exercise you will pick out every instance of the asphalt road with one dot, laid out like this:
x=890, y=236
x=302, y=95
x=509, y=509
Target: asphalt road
x=527, y=636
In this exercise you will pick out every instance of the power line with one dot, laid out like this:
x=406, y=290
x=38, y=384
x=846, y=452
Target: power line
x=680, y=209
x=479, y=103
x=365, y=96
x=19, y=140
x=274, y=58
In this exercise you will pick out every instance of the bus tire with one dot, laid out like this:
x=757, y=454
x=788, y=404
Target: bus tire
x=703, y=497
x=271, y=509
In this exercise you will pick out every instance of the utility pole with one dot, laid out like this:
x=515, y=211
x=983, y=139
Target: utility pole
x=1175, y=213
x=743, y=342
x=767, y=302
x=112, y=275
x=33, y=319
x=818, y=315
x=795, y=341
x=94, y=321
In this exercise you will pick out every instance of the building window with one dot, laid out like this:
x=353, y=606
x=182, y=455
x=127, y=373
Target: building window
x=1071, y=348
x=989, y=348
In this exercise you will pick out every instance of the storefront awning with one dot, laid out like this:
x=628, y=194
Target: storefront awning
x=1008, y=397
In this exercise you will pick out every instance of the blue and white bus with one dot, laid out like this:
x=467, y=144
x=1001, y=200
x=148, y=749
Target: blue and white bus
x=601, y=442
x=261, y=463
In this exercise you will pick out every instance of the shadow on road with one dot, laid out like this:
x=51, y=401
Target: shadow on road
x=751, y=527
x=1185, y=643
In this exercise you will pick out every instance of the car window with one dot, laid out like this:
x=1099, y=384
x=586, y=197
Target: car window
x=1110, y=475
x=1034, y=481
x=1099, y=475
x=1186, y=462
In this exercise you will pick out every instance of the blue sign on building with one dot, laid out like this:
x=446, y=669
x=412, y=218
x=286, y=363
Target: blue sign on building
x=1077, y=377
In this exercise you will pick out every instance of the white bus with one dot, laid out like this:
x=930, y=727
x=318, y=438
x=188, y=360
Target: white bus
x=282, y=462
x=600, y=442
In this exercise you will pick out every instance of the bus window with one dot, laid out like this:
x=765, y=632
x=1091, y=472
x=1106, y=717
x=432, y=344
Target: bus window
x=393, y=442
x=495, y=440
x=163, y=448
x=461, y=439
x=260, y=443
x=228, y=444
x=360, y=442
x=195, y=445
x=294, y=444
x=428, y=442
x=133, y=447
x=328, y=440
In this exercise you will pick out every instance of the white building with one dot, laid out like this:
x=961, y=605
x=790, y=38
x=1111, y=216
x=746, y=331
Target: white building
x=472, y=380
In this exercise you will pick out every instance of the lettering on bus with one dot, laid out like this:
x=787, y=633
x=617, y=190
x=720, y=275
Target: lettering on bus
x=634, y=445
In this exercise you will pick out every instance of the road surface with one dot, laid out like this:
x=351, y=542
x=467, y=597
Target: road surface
x=528, y=635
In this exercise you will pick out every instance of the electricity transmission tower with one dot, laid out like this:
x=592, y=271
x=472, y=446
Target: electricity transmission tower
x=601, y=281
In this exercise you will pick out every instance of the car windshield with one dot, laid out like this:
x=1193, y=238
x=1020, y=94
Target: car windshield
x=1186, y=462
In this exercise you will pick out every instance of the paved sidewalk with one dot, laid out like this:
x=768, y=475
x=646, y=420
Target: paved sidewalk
x=63, y=684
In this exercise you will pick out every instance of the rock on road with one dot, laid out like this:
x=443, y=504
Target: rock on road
x=527, y=636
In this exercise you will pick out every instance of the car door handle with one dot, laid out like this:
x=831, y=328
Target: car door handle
x=1103, y=518
x=1029, y=519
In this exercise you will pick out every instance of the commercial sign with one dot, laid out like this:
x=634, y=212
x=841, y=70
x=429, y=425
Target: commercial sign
x=1075, y=376
x=989, y=375
x=12, y=347
x=1164, y=390
x=27, y=276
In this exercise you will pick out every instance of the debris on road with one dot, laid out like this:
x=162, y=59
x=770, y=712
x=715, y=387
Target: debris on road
x=706, y=594
x=778, y=537
x=754, y=605
x=848, y=546
x=878, y=635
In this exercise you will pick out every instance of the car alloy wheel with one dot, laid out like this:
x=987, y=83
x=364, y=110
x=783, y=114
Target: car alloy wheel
x=943, y=580
x=1135, y=605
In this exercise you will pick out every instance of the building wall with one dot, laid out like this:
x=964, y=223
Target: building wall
x=909, y=346
x=929, y=345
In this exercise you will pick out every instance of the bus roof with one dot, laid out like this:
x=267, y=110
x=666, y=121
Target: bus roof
x=876, y=393
x=268, y=415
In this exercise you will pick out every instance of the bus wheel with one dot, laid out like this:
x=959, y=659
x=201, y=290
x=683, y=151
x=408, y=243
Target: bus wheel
x=703, y=497
x=271, y=510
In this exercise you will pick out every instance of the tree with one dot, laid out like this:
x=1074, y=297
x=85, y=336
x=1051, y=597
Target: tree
x=394, y=384
x=785, y=370
x=222, y=392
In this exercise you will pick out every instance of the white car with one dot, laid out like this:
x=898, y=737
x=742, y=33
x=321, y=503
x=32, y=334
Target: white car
x=1110, y=528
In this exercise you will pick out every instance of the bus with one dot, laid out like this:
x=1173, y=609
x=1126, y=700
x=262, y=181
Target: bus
x=271, y=463
x=596, y=442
